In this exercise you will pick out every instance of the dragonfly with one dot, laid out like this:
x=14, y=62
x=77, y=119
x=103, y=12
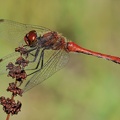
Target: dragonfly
x=47, y=50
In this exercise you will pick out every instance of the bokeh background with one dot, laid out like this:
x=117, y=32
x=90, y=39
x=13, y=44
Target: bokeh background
x=88, y=88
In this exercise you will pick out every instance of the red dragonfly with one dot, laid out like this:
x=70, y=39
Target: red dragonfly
x=48, y=50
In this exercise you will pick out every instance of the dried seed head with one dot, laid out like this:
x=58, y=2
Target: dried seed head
x=9, y=105
x=14, y=89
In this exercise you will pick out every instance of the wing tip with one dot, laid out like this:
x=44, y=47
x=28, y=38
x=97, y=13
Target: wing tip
x=2, y=20
x=1, y=60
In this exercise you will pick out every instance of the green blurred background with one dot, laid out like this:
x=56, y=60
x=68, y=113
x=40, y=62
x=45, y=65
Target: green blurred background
x=88, y=88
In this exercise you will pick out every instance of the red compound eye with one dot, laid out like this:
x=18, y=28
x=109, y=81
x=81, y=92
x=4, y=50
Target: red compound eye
x=30, y=38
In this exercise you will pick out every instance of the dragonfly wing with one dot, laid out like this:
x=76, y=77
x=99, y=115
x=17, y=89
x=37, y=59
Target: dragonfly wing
x=57, y=61
x=12, y=58
x=14, y=32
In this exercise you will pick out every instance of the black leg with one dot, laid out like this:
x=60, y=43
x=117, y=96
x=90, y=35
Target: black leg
x=36, y=55
x=41, y=59
x=29, y=52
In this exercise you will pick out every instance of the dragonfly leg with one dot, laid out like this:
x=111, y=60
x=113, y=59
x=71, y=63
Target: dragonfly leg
x=40, y=60
x=34, y=71
x=35, y=56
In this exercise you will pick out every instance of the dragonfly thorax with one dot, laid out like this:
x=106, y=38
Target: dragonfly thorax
x=51, y=40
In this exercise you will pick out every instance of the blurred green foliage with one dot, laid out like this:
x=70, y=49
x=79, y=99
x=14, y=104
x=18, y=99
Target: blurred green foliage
x=87, y=88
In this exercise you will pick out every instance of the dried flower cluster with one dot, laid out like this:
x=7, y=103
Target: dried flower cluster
x=9, y=105
x=17, y=72
x=14, y=89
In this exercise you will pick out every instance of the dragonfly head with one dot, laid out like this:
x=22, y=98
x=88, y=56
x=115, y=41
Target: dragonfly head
x=31, y=38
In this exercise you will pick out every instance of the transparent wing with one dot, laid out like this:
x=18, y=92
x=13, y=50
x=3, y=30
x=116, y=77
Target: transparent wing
x=57, y=61
x=15, y=55
x=14, y=32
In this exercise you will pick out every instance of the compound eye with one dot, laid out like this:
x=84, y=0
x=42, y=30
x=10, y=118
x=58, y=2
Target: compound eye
x=30, y=38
